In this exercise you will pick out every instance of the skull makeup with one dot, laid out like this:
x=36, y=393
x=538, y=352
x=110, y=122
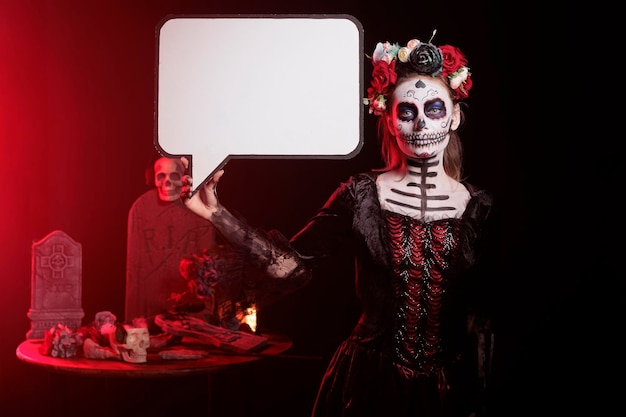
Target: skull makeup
x=422, y=116
x=168, y=175
x=134, y=345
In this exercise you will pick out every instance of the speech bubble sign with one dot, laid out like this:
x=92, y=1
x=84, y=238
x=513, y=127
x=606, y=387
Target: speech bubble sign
x=258, y=87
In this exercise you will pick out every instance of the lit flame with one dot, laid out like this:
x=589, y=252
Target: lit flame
x=250, y=317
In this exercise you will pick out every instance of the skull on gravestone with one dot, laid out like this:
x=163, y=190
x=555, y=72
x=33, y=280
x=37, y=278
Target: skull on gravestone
x=168, y=176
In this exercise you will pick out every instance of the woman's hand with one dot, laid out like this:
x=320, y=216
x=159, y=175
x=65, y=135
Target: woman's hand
x=204, y=202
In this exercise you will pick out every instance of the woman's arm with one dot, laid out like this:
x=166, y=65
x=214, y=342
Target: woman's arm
x=275, y=256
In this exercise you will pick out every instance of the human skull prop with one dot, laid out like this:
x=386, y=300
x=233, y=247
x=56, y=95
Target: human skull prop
x=168, y=178
x=131, y=343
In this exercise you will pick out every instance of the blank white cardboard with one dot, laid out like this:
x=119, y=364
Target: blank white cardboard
x=277, y=86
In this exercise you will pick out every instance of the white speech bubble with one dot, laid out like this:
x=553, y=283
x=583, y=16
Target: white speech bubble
x=258, y=87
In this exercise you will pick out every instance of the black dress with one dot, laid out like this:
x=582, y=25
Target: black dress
x=405, y=356
x=409, y=354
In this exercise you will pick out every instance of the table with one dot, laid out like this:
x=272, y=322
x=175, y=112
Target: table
x=217, y=360
x=205, y=386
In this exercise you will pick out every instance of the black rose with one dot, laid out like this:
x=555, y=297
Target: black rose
x=426, y=59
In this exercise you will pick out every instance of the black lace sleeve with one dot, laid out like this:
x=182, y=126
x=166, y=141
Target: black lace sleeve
x=282, y=268
x=289, y=262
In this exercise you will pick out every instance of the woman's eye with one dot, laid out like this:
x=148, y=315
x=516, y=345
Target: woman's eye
x=407, y=112
x=435, y=109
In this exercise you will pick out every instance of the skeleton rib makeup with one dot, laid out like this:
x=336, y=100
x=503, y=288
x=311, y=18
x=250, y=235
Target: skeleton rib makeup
x=422, y=192
x=409, y=197
x=422, y=115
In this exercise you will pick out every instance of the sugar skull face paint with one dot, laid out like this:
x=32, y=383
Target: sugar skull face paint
x=422, y=115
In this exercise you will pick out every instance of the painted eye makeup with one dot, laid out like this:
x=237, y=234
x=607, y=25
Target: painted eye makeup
x=406, y=112
x=435, y=109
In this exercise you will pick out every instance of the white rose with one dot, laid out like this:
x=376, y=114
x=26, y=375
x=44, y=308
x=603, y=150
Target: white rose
x=403, y=54
x=458, y=78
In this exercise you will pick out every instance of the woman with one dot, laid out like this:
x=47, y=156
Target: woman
x=414, y=225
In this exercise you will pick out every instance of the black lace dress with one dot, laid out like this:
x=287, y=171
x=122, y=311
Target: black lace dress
x=405, y=356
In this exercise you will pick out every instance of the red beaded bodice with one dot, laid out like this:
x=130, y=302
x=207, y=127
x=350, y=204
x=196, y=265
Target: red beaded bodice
x=422, y=252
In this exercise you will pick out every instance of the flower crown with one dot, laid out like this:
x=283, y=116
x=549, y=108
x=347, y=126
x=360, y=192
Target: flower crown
x=424, y=58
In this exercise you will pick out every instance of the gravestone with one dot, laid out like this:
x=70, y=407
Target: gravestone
x=160, y=234
x=56, y=284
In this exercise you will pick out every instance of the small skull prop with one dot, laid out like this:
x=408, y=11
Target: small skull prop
x=131, y=343
x=104, y=317
x=168, y=178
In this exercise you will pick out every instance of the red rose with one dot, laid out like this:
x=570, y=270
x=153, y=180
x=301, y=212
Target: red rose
x=383, y=76
x=453, y=59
